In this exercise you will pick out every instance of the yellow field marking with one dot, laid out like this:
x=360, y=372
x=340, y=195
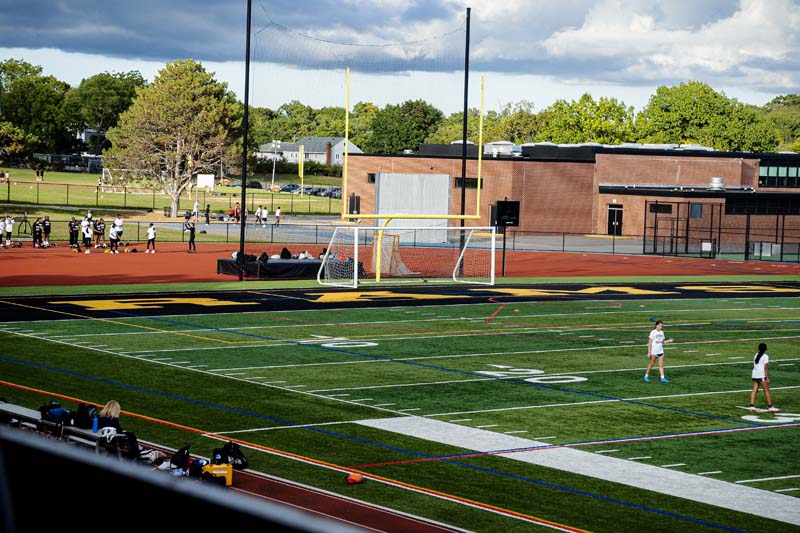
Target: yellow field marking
x=736, y=289
x=561, y=292
x=368, y=296
x=117, y=323
x=124, y=304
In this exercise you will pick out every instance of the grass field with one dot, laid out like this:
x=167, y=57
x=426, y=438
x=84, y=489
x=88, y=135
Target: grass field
x=77, y=189
x=300, y=389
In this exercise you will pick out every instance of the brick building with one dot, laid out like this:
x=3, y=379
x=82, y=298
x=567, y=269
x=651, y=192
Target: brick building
x=694, y=193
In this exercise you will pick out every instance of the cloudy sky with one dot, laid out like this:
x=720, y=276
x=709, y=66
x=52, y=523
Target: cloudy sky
x=534, y=50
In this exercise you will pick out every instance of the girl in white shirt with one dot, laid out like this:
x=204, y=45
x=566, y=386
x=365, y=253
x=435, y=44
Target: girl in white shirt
x=760, y=376
x=151, y=239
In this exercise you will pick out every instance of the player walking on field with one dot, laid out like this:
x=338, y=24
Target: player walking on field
x=761, y=377
x=655, y=351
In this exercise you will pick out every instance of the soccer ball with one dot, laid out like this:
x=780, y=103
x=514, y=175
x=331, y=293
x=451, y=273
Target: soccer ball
x=127, y=250
x=354, y=479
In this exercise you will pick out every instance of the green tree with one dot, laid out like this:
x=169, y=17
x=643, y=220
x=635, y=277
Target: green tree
x=452, y=128
x=15, y=147
x=329, y=122
x=606, y=121
x=34, y=103
x=519, y=124
x=180, y=125
x=262, y=125
x=293, y=121
x=99, y=100
x=784, y=114
x=402, y=127
x=361, y=119
x=694, y=113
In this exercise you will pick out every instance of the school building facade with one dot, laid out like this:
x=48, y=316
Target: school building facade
x=674, y=198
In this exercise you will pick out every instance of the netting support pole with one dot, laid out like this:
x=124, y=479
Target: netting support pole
x=464, y=132
x=240, y=257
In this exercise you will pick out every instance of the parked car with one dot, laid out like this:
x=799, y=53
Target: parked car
x=255, y=185
x=290, y=187
x=224, y=181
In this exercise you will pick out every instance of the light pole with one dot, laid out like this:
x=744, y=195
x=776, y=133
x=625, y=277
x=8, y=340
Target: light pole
x=275, y=146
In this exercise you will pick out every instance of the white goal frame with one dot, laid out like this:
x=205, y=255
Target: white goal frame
x=365, y=253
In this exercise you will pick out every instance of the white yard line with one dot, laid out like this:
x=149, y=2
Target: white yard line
x=640, y=475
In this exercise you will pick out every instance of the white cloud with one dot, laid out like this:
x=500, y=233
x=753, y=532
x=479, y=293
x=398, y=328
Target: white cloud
x=759, y=32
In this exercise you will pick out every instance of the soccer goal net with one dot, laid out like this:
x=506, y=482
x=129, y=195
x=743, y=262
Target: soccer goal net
x=358, y=255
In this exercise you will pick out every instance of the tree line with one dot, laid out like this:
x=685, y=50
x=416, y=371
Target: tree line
x=185, y=121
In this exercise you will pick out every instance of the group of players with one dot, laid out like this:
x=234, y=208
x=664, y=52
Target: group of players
x=88, y=230
x=759, y=374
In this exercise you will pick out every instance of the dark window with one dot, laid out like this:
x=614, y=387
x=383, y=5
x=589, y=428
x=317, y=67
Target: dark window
x=470, y=183
x=371, y=177
x=695, y=210
x=664, y=209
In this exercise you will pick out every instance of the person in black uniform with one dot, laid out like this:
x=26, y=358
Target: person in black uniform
x=74, y=228
x=100, y=233
x=189, y=226
x=46, y=227
x=37, y=231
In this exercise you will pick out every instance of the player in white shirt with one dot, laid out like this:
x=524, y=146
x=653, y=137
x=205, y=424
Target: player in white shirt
x=655, y=351
x=151, y=238
x=760, y=376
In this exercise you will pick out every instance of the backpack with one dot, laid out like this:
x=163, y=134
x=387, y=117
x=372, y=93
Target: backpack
x=196, y=467
x=84, y=416
x=123, y=444
x=55, y=414
x=235, y=455
x=181, y=458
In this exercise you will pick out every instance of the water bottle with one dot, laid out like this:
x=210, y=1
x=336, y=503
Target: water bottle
x=94, y=425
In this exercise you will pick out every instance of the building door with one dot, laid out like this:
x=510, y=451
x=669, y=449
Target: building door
x=614, y=220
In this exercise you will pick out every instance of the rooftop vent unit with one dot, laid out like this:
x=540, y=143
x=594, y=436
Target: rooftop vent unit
x=716, y=184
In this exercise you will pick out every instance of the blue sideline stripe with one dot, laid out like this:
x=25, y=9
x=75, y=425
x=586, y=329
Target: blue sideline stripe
x=445, y=369
x=373, y=443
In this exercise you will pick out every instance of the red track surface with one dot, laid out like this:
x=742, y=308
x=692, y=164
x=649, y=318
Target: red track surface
x=21, y=267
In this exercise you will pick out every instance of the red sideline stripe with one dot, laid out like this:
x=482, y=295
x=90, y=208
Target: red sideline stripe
x=331, y=466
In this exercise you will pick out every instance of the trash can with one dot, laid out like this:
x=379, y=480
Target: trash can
x=167, y=211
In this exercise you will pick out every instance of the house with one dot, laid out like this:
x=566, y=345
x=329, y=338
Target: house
x=325, y=150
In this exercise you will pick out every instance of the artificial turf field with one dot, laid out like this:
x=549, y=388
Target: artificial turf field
x=305, y=379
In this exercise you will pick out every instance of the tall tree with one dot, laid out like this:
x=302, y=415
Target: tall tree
x=402, y=127
x=361, y=119
x=34, y=103
x=606, y=121
x=99, y=100
x=180, y=125
x=693, y=112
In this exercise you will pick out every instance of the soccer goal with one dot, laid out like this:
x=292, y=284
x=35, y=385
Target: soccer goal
x=358, y=255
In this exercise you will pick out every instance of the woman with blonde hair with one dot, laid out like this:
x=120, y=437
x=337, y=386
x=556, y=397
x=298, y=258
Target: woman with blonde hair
x=109, y=416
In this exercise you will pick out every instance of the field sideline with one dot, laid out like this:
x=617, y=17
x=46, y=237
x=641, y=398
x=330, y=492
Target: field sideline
x=504, y=388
